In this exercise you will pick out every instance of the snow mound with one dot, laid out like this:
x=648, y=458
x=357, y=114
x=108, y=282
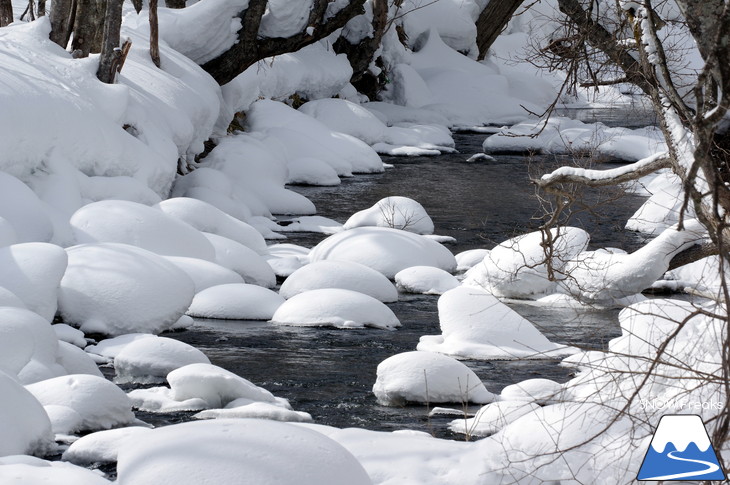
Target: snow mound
x=32, y=271
x=427, y=377
x=69, y=334
x=255, y=410
x=539, y=391
x=346, y=117
x=235, y=302
x=25, y=424
x=83, y=403
x=76, y=361
x=102, y=446
x=311, y=171
x=466, y=260
x=115, y=289
x=204, y=274
x=25, y=218
x=335, y=307
x=339, y=274
x=475, y=325
x=121, y=221
x=34, y=471
x=285, y=259
x=151, y=359
x=243, y=260
x=384, y=249
x=425, y=279
x=237, y=451
x=8, y=235
x=395, y=212
x=109, y=348
x=492, y=418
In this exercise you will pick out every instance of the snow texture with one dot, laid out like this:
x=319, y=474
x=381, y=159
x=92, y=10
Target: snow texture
x=25, y=424
x=425, y=279
x=235, y=302
x=394, y=212
x=34, y=471
x=151, y=359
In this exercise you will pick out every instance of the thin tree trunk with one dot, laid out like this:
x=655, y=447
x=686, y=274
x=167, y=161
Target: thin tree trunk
x=88, y=27
x=63, y=13
x=154, y=34
x=492, y=21
x=137, y=4
x=6, y=12
x=41, y=8
x=111, y=54
x=175, y=3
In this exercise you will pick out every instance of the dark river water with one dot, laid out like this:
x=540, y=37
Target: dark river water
x=330, y=373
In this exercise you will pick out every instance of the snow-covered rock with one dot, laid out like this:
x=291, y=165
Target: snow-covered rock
x=311, y=171
x=346, y=117
x=466, y=260
x=235, y=302
x=335, y=307
x=69, y=334
x=24, y=215
x=243, y=260
x=384, y=249
x=204, y=273
x=34, y=471
x=540, y=391
x=151, y=359
x=427, y=377
x=255, y=410
x=492, y=417
x=346, y=275
x=76, y=361
x=102, y=446
x=395, y=212
x=25, y=424
x=8, y=235
x=109, y=348
x=425, y=279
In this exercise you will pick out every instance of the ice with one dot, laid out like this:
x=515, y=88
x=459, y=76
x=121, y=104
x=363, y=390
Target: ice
x=34, y=471
x=339, y=274
x=83, y=403
x=69, y=334
x=232, y=451
x=427, y=377
x=235, y=302
x=204, y=273
x=25, y=424
x=255, y=410
x=425, y=279
x=102, y=446
x=465, y=260
x=243, y=260
x=475, y=325
x=114, y=289
x=32, y=271
x=337, y=308
x=492, y=417
x=384, y=249
x=25, y=218
x=394, y=212
x=149, y=360
x=539, y=391
x=138, y=225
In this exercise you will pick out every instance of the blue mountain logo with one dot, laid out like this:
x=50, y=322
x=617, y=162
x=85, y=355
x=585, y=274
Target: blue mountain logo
x=680, y=450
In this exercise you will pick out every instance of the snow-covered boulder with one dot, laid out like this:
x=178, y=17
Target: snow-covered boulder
x=427, y=377
x=8, y=298
x=25, y=426
x=245, y=409
x=109, y=348
x=204, y=273
x=539, y=391
x=425, y=279
x=151, y=359
x=346, y=275
x=476, y=325
x=115, y=289
x=395, y=212
x=34, y=471
x=102, y=446
x=337, y=308
x=235, y=302
x=285, y=258
x=311, y=171
x=237, y=257
x=121, y=221
x=83, y=403
x=8, y=235
x=466, y=260
x=492, y=417
x=346, y=117
x=384, y=249
x=32, y=271
x=237, y=451
x=76, y=361
x=69, y=334
x=21, y=209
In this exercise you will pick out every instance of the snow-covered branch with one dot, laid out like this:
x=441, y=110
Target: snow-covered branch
x=600, y=178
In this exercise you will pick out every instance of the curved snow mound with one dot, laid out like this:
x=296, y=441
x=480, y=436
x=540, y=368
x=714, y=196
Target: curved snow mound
x=311, y=171
x=539, y=391
x=116, y=289
x=466, y=260
x=235, y=302
x=102, y=446
x=255, y=410
x=492, y=417
x=237, y=451
x=34, y=471
x=425, y=279
x=204, y=273
x=345, y=275
x=25, y=424
x=23, y=211
x=346, y=117
x=83, y=403
x=151, y=359
x=8, y=235
x=237, y=257
x=475, y=325
x=427, y=377
x=385, y=250
x=121, y=221
x=395, y=212
x=517, y=267
x=337, y=308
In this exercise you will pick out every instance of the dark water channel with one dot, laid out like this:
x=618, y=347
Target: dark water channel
x=329, y=373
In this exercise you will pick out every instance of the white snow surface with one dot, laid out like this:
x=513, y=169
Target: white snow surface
x=151, y=359
x=394, y=212
x=466, y=260
x=25, y=424
x=102, y=446
x=24, y=216
x=35, y=471
x=235, y=301
x=204, y=274
x=69, y=334
x=492, y=417
x=425, y=279
x=540, y=391
x=244, y=409
x=243, y=260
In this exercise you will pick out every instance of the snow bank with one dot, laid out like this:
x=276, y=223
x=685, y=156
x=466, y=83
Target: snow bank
x=83, y=403
x=255, y=410
x=235, y=302
x=395, y=212
x=475, y=325
x=229, y=451
x=115, y=288
x=34, y=471
x=25, y=218
x=492, y=417
x=466, y=260
x=311, y=171
x=69, y=334
x=151, y=359
x=243, y=260
x=25, y=424
x=102, y=446
x=427, y=377
x=454, y=20
x=384, y=249
x=539, y=391
x=339, y=274
x=204, y=274
x=335, y=307
x=425, y=279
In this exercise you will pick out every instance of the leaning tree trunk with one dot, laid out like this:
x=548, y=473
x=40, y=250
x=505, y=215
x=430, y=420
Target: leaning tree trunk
x=41, y=12
x=154, y=34
x=6, y=12
x=175, y=3
x=62, y=20
x=111, y=54
x=492, y=21
x=88, y=27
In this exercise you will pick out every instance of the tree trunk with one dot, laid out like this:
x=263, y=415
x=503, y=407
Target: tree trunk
x=88, y=25
x=154, y=34
x=41, y=8
x=492, y=21
x=6, y=12
x=63, y=13
x=175, y=3
x=110, y=52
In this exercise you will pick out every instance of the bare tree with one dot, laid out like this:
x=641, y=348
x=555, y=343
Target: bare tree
x=63, y=13
x=112, y=55
x=154, y=34
x=88, y=27
x=492, y=21
x=6, y=12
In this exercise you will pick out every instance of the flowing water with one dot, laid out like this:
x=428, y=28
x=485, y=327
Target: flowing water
x=329, y=373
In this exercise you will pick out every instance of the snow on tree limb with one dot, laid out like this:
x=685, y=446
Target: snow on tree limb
x=599, y=178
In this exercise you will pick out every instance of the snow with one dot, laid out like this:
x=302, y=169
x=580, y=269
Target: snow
x=32, y=271
x=232, y=451
x=680, y=431
x=337, y=308
x=475, y=325
x=395, y=212
x=492, y=417
x=102, y=446
x=109, y=348
x=114, y=288
x=255, y=410
x=25, y=218
x=663, y=207
x=83, y=403
x=339, y=274
x=454, y=20
x=346, y=117
x=540, y=391
x=243, y=260
x=318, y=224
x=25, y=425
x=311, y=171
x=205, y=274
x=427, y=377
x=69, y=334
x=425, y=279
x=284, y=259
x=34, y=471
x=384, y=249
x=76, y=361
x=8, y=235
x=465, y=260
x=235, y=302
x=149, y=360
